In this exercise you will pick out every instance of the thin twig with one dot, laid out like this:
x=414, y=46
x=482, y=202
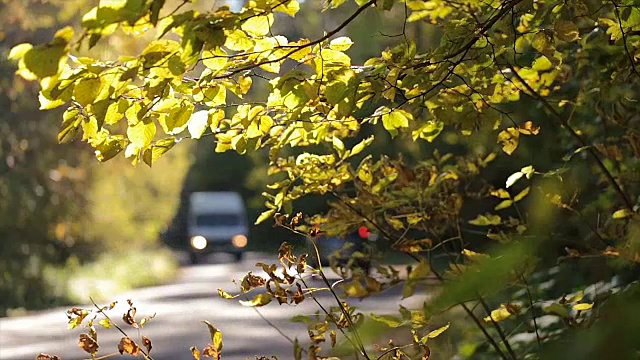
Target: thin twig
x=303, y=46
x=624, y=39
x=533, y=310
x=534, y=94
x=275, y=327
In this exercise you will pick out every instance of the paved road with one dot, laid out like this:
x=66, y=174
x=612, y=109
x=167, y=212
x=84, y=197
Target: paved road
x=180, y=307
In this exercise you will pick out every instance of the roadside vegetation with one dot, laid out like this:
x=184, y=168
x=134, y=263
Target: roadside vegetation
x=494, y=145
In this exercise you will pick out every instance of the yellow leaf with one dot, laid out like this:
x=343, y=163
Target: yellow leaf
x=342, y=43
x=18, y=51
x=522, y=194
x=621, y=214
x=329, y=58
x=395, y=119
x=142, y=133
x=290, y=8
x=258, y=300
x=437, y=332
x=258, y=25
x=503, y=204
x=508, y=138
x=582, y=306
x=500, y=314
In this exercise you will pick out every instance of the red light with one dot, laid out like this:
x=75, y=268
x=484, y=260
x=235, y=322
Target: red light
x=363, y=232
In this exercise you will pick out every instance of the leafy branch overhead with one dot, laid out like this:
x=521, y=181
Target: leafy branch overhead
x=519, y=120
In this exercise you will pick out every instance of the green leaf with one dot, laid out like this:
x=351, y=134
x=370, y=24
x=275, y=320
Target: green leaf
x=556, y=309
x=395, y=119
x=541, y=64
x=389, y=320
x=621, y=214
x=437, y=332
x=105, y=323
x=158, y=149
x=331, y=59
x=177, y=119
x=45, y=60
x=338, y=145
x=566, y=30
x=428, y=131
x=357, y=149
x=258, y=300
x=71, y=121
x=268, y=214
x=486, y=220
x=86, y=90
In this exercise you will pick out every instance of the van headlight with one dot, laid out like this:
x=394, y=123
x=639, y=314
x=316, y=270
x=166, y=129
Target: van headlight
x=239, y=241
x=199, y=242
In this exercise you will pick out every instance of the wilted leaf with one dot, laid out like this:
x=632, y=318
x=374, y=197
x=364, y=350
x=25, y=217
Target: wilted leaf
x=88, y=344
x=146, y=342
x=195, y=352
x=225, y=295
x=42, y=356
x=210, y=351
x=248, y=283
x=126, y=345
x=528, y=128
x=258, y=300
x=216, y=336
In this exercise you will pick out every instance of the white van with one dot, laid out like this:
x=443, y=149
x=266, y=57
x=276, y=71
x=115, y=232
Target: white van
x=216, y=222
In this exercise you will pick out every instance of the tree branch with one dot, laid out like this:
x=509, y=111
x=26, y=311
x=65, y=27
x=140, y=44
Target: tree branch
x=535, y=95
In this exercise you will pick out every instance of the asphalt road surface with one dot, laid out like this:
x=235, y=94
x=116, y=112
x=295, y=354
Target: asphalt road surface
x=180, y=307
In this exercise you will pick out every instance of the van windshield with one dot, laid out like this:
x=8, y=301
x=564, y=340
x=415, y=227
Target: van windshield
x=218, y=220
